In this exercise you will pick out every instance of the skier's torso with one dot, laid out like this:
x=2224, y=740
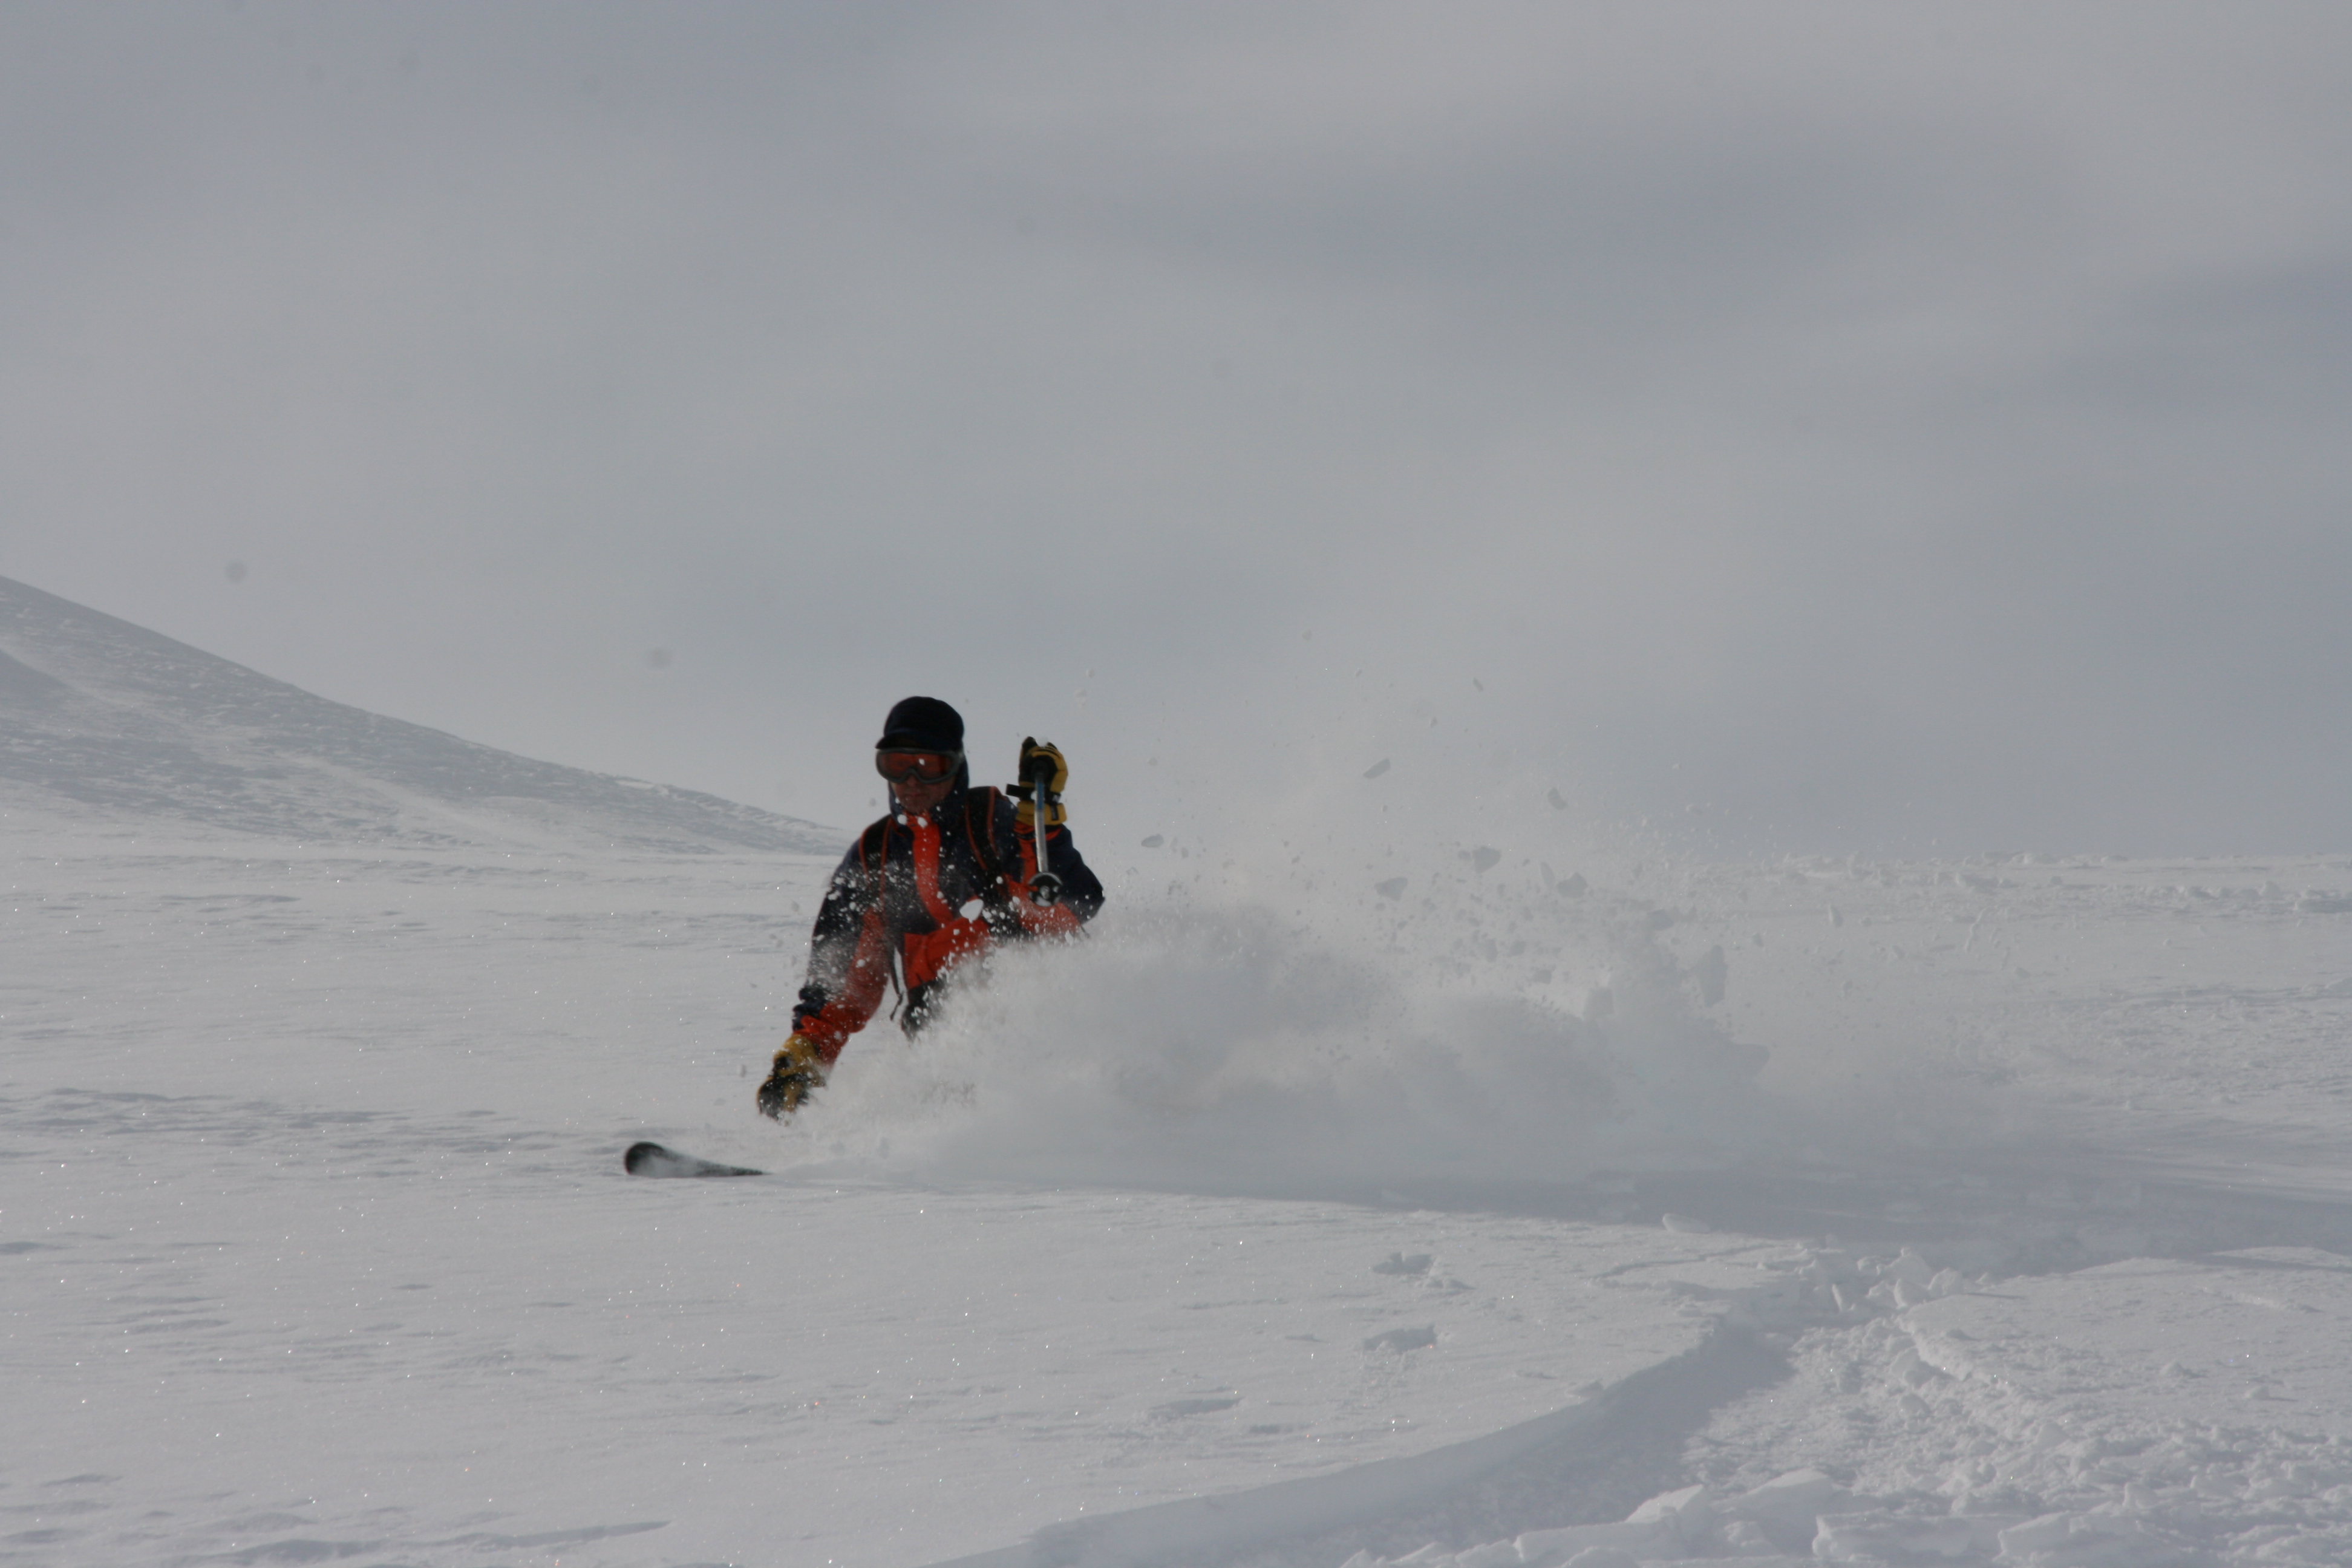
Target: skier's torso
x=930, y=891
x=924, y=870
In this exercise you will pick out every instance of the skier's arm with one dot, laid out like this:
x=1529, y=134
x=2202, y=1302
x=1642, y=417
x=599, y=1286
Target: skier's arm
x=849, y=963
x=1081, y=893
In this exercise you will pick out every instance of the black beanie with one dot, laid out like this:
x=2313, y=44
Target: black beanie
x=922, y=724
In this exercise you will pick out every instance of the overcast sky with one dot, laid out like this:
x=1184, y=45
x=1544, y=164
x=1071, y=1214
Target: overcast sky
x=1825, y=426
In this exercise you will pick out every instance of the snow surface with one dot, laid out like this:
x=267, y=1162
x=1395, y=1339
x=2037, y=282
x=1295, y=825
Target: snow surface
x=1994, y=1210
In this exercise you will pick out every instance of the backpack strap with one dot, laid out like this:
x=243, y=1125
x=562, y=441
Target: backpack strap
x=869, y=852
x=980, y=829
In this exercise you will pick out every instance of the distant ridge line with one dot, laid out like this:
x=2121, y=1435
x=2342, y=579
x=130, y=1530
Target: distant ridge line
x=125, y=723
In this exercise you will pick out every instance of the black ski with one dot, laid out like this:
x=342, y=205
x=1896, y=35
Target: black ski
x=653, y=1160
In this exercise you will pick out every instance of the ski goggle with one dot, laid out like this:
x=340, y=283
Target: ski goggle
x=928, y=766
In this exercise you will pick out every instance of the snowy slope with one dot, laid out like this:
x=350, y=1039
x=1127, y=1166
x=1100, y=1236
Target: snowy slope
x=1983, y=1211
x=102, y=714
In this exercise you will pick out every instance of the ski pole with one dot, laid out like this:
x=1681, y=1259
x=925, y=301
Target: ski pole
x=1046, y=887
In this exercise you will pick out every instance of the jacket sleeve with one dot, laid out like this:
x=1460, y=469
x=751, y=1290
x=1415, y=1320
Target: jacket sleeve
x=848, y=964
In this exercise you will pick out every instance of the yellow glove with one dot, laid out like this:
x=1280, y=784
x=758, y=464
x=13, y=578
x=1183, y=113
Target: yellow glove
x=1033, y=752
x=1056, y=814
x=799, y=1072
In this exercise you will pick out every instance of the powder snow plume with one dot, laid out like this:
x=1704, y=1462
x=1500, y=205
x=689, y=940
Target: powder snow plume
x=1491, y=1031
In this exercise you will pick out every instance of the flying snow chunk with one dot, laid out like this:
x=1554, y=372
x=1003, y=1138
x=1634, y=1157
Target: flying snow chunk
x=1558, y=804
x=1398, y=1263
x=1710, y=973
x=1574, y=887
x=1486, y=857
x=1391, y=889
x=1377, y=769
x=1155, y=841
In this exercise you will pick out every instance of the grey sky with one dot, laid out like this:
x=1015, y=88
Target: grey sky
x=1868, y=425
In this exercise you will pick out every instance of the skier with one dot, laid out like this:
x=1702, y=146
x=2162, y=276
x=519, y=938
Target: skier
x=949, y=873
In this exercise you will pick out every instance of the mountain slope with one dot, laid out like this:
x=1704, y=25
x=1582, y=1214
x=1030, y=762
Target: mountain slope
x=103, y=714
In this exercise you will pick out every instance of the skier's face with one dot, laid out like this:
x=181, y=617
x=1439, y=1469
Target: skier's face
x=921, y=797
x=918, y=781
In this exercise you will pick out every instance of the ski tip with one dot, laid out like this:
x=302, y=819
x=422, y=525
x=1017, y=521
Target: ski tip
x=653, y=1160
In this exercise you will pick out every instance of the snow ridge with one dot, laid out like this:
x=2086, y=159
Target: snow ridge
x=102, y=713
